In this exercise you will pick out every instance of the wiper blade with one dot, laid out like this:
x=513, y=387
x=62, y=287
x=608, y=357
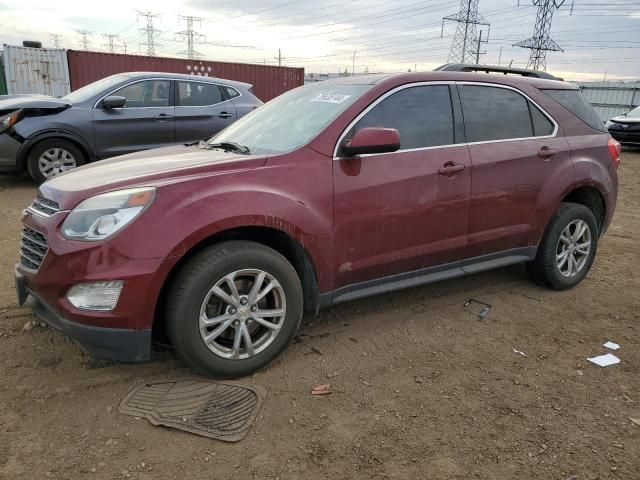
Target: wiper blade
x=228, y=146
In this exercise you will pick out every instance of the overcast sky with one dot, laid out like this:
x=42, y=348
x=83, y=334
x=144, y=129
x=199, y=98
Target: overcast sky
x=321, y=35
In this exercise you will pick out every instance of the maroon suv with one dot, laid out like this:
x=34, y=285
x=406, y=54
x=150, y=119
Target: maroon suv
x=330, y=192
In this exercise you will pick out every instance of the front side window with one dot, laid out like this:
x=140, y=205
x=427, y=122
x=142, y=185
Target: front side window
x=422, y=115
x=493, y=113
x=149, y=93
x=196, y=94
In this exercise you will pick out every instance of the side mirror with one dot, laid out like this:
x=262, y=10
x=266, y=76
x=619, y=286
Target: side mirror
x=372, y=140
x=113, y=101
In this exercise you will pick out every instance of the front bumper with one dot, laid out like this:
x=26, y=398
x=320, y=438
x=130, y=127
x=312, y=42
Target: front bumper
x=8, y=153
x=122, y=334
x=625, y=137
x=118, y=344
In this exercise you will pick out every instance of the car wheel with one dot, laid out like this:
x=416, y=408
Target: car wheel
x=568, y=248
x=233, y=308
x=52, y=156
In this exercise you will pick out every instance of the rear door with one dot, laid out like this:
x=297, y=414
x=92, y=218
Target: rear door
x=406, y=210
x=146, y=121
x=515, y=152
x=202, y=109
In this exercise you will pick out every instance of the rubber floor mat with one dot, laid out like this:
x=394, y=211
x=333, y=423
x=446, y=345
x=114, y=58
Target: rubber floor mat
x=220, y=410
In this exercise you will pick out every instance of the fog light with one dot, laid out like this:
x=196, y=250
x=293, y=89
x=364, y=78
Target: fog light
x=101, y=296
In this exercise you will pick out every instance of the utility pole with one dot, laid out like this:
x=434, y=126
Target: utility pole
x=56, y=40
x=124, y=47
x=468, y=20
x=150, y=31
x=353, y=64
x=541, y=42
x=280, y=58
x=191, y=36
x=500, y=56
x=479, y=43
x=111, y=44
x=85, y=38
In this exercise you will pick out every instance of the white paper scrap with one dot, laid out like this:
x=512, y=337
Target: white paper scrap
x=611, y=346
x=330, y=98
x=605, y=360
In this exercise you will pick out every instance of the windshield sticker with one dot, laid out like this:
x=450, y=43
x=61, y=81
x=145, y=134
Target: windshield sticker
x=330, y=98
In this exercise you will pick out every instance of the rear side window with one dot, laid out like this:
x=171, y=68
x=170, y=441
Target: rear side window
x=231, y=92
x=573, y=101
x=493, y=113
x=196, y=94
x=541, y=124
x=422, y=115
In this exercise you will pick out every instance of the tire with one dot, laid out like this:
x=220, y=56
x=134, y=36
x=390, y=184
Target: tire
x=191, y=295
x=547, y=268
x=62, y=155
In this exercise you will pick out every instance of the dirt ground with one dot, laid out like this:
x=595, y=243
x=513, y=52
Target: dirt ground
x=422, y=389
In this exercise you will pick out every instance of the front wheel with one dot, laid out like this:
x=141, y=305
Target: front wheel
x=568, y=248
x=53, y=156
x=233, y=308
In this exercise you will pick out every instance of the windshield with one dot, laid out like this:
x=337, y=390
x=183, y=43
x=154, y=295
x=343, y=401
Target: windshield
x=292, y=119
x=96, y=88
x=635, y=113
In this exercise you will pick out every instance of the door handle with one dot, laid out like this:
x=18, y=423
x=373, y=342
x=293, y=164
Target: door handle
x=163, y=117
x=450, y=169
x=546, y=152
x=225, y=115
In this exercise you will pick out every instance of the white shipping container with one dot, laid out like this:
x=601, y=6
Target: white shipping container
x=36, y=70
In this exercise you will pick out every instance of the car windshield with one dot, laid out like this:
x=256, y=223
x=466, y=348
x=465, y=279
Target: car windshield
x=292, y=119
x=635, y=113
x=96, y=88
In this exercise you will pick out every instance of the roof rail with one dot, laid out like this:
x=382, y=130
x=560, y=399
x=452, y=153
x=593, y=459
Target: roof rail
x=465, y=67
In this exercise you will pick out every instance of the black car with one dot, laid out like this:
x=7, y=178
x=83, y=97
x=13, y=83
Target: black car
x=626, y=128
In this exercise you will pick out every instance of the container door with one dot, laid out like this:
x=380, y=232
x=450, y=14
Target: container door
x=146, y=121
x=202, y=109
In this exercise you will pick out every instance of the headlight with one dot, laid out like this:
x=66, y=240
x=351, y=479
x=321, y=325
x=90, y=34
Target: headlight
x=98, y=217
x=608, y=123
x=9, y=121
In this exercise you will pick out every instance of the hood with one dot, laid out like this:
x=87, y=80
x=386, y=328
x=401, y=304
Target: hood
x=9, y=103
x=150, y=167
x=625, y=119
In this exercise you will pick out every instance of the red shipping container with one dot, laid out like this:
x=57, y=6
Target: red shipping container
x=268, y=81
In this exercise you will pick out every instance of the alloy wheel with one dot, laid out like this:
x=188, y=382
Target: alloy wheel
x=574, y=246
x=242, y=314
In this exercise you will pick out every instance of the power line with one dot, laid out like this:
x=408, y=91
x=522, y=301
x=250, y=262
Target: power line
x=541, y=42
x=150, y=32
x=85, y=38
x=191, y=36
x=468, y=20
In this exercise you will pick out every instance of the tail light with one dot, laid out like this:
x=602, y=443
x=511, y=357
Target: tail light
x=614, y=151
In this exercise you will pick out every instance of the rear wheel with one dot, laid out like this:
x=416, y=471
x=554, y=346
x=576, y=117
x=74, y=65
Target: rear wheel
x=568, y=248
x=53, y=156
x=233, y=308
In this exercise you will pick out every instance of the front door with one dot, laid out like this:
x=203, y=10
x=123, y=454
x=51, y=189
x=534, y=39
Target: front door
x=202, y=109
x=146, y=121
x=406, y=210
x=516, y=156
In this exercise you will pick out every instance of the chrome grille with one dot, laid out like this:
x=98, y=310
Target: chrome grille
x=44, y=206
x=33, y=248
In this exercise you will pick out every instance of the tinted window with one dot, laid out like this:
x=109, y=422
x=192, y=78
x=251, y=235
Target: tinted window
x=422, y=115
x=573, y=101
x=194, y=94
x=541, y=124
x=150, y=93
x=492, y=113
x=231, y=92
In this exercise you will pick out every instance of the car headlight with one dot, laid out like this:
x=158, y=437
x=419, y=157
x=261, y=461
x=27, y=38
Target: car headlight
x=8, y=121
x=608, y=123
x=99, y=217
